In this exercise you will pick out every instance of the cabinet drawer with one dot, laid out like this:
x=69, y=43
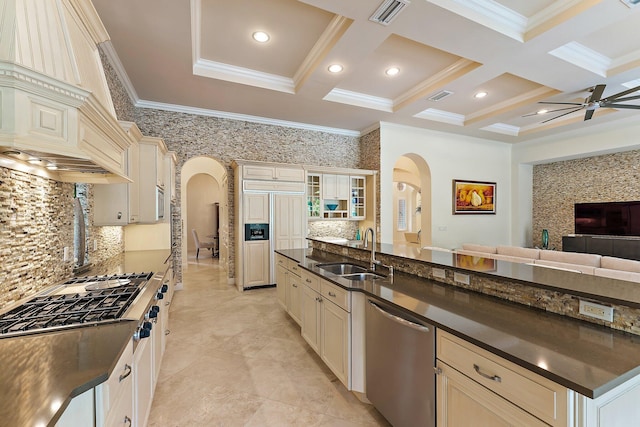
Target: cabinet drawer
x=293, y=267
x=310, y=279
x=282, y=261
x=337, y=295
x=531, y=392
x=118, y=384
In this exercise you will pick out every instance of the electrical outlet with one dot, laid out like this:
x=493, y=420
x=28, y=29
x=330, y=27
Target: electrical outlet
x=65, y=254
x=461, y=278
x=597, y=311
x=95, y=244
x=439, y=273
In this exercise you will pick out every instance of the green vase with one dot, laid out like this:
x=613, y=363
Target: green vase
x=545, y=239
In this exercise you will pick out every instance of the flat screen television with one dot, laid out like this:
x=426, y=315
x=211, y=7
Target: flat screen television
x=610, y=218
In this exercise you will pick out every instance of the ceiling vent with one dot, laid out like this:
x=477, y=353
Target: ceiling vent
x=440, y=95
x=388, y=11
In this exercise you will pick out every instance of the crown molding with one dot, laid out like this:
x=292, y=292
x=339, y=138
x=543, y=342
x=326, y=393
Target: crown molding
x=114, y=60
x=583, y=57
x=503, y=129
x=441, y=116
x=245, y=76
x=360, y=100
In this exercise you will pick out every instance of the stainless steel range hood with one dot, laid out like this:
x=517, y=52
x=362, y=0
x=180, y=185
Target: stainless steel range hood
x=55, y=104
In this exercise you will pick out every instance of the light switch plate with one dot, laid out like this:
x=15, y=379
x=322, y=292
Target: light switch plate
x=439, y=273
x=461, y=278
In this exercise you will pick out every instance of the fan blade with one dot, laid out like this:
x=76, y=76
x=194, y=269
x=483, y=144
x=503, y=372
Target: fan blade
x=588, y=114
x=563, y=103
x=626, y=92
x=597, y=93
x=557, y=117
x=623, y=106
x=629, y=98
x=550, y=111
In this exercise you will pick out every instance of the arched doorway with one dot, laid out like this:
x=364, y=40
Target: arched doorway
x=412, y=201
x=196, y=174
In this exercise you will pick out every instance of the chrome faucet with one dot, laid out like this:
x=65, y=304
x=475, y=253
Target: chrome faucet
x=374, y=261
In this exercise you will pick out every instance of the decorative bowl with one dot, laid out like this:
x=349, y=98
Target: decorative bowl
x=332, y=206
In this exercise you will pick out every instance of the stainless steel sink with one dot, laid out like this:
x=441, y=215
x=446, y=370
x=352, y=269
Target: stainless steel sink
x=363, y=276
x=342, y=268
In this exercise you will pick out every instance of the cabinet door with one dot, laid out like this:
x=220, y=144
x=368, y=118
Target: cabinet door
x=343, y=187
x=335, y=327
x=256, y=208
x=329, y=186
x=256, y=263
x=79, y=413
x=258, y=172
x=142, y=381
x=134, y=187
x=284, y=174
x=294, y=302
x=463, y=402
x=311, y=317
x=289, y=221
x=281, y=285
x=111, y=204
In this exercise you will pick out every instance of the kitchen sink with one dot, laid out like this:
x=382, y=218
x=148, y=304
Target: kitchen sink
x=363, y=276
x=341, y=268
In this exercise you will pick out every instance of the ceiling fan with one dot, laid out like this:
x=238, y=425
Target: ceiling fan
x=593, y=102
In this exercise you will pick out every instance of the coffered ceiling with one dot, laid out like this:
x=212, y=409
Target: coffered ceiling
x=199, y=56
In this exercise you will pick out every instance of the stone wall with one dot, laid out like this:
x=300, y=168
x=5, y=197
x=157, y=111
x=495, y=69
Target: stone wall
x=36, y=223
x=558, y=186
x=370, y=159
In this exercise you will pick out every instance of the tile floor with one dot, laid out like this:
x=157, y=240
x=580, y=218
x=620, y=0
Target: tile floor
x=237, y=359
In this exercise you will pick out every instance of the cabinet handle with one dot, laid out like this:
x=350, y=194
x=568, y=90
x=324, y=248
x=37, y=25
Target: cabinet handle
x=127, y=421
x=320, y=299
x=307, y=280
x=167, y=332
x=487, y=376
x=331, y=294
x=167, y=303
x=127, y=372
x=294, y=285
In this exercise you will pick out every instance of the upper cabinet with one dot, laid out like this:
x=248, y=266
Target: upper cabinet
x=272, y=172
x=338, y=195
x=147, y=198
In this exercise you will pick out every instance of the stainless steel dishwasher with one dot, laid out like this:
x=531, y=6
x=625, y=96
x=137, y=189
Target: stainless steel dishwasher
x=400, y=360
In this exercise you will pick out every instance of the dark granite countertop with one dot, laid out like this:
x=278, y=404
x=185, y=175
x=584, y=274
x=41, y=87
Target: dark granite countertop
x=584, y=357
x=42, y=372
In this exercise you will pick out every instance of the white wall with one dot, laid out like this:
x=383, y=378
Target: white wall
x=449, y=157
x=202, y=192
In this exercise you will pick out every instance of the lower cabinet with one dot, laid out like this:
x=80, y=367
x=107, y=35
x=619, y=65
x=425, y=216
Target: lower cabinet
x=289, y=287
x=114, y=397
x=326, y=324
x=79, y=413
x=143, y=380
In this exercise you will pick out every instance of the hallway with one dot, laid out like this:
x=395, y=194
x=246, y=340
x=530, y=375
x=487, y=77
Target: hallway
x=237, y=359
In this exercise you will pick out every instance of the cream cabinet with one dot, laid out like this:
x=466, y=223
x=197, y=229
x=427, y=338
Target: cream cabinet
x=114, y=398
x=119, y=204
x=511, y=392
x=326, y=324
x=290, y=226
x=289, y=287
x=79, y=413
x=256, y=267
x=272, y=172
x=151, y=181
x=335, y=187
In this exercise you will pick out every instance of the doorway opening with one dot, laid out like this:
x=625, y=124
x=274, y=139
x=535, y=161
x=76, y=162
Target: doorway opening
x=204, y=204
x=412, y=201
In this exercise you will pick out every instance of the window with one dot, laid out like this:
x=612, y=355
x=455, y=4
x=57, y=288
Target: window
x=402, y=214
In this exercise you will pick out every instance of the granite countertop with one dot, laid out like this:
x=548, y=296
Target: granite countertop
x=42, y=372
x=584, y=357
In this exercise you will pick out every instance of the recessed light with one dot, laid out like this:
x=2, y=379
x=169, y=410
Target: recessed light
x=392, y=71
x=335, y=68
x=52, y=167
x=480, y=95
x=542, y=111
x=261, y=36
x=33, y=160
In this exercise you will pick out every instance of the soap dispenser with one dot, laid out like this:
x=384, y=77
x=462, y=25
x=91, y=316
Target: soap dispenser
x=358, y=234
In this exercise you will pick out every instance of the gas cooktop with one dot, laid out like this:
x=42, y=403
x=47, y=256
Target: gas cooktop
x=82, y=300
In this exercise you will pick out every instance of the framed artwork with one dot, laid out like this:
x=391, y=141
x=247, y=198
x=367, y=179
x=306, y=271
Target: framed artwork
x=474, y=197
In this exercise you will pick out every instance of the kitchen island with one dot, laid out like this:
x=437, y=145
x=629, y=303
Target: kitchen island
x=43, y=372
x=591, y=361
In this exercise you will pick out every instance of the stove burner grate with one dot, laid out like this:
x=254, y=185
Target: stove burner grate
x=93, y=306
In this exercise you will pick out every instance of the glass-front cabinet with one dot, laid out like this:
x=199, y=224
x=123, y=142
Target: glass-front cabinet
x=335, y=196
x=357, y=201
x=314, y=202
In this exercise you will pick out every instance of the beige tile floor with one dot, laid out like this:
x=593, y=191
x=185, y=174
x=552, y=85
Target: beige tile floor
x=237, y=359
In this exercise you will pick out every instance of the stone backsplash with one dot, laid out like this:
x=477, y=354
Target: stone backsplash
x=36, y=224
x=558, y=186
x=625, y=318
x=344, y=229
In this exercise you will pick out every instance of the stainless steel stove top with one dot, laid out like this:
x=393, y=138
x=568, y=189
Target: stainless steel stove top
x=83, y=300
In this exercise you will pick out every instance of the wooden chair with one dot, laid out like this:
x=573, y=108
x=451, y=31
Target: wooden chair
x=199, y=244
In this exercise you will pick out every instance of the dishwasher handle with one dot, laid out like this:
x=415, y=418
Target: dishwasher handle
x=398, y=319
